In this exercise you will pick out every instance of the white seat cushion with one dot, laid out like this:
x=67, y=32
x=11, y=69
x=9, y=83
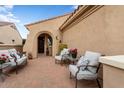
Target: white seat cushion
x=93, y=57
x=12, y=50
x=58, y=58
x=86, y=75
x=73, y=69
x=82, y=74
x=6, y=52
x=64, y=51
x=24, y=57
x=13, y=64
x=90, y=72
x=80, y=61
x=21, y=60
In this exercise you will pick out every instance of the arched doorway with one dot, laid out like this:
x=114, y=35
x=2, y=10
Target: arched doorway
x=45, y=44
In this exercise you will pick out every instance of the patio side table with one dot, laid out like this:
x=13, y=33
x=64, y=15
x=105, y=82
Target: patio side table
x=3, y=66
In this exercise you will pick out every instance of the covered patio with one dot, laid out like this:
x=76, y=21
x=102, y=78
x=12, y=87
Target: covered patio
x=44, y=73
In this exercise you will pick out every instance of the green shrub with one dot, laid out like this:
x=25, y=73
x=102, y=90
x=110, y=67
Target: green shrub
x=61, y=47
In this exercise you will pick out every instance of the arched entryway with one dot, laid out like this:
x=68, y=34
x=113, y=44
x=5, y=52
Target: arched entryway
x=45, y=43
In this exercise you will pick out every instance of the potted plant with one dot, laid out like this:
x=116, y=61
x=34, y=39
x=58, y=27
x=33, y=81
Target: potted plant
x=73, y=52
x=29, y=55
x=3, y=58
x=61, y=47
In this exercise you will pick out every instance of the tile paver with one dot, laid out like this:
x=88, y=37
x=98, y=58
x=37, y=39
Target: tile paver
x=43, y=73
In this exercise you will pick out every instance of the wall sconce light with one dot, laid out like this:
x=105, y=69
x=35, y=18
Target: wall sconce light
x=13, y=41
x=60, y=41
x=56, y=37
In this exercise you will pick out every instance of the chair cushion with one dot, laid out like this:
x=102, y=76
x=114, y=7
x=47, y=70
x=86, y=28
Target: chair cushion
x=13, y=64
x=21, y=60
x=24, y=57
x=80, y=61
x=6, y=52
x=11, y=59
x=12, y=50
x=64, y=51
x=19, y=54
x=93, y=57
x=58, y=58
x=86, y=75
x=82, y=74
x=73, y=69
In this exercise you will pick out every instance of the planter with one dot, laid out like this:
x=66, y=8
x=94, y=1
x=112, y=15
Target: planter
x=30, y=56
x=74, y=55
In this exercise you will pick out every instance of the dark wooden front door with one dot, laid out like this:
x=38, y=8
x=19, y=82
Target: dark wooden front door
x=40, y=44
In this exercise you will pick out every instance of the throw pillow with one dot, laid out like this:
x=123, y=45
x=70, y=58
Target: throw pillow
x=19, y=54
x=83, y=61
x=14, y=56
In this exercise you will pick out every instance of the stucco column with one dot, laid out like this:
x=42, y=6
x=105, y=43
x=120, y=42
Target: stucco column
x=45, y=44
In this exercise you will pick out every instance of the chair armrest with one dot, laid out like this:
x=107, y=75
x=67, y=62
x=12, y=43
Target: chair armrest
x=13, y=60
x=62, y=57
x=86, y=66
x=23, y=55
x=23, y=52
x=79, y=67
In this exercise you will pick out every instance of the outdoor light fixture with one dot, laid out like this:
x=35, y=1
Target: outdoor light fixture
x=13, y=41
x=56, y=37
x=60, y=41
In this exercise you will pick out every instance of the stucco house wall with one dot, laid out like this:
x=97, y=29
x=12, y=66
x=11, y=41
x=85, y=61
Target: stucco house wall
x=51, y=27
x=102, y=31
x=8, y=33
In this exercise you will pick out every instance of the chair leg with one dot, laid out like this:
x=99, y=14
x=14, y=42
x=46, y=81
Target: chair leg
x=2, y=78
x=55, y=61
x=16, y=69
x=76, y=83
x=26, y=62
x=98, y=83
x=70, y=76
x=61, y=62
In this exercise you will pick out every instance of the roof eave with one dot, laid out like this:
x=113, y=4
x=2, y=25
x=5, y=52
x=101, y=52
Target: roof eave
x=79, y=12
x=27, y=25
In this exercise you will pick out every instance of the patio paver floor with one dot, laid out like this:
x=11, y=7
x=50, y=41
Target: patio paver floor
x=43, y=73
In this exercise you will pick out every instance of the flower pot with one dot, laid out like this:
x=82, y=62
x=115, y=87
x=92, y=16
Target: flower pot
x=30, y=56
x=74, y=55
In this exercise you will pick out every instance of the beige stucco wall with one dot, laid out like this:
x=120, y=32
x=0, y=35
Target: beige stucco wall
x=6, y=46
x=113, y=77
x=7, y=34
x=102, y=31
x=50, y=27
